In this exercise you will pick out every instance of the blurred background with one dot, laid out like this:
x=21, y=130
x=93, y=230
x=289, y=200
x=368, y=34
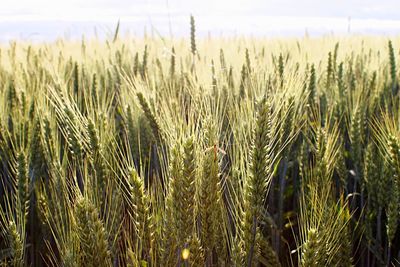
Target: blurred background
x=51, y=19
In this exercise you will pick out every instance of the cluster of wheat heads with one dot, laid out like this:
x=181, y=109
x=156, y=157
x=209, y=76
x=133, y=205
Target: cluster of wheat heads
x=200, y=152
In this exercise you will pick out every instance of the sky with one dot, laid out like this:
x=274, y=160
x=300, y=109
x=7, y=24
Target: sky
x=46, y=19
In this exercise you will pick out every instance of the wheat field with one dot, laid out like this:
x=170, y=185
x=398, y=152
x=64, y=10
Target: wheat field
x=200, y=152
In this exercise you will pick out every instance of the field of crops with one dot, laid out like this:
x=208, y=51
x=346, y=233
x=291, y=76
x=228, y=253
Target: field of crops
x=200, y=152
